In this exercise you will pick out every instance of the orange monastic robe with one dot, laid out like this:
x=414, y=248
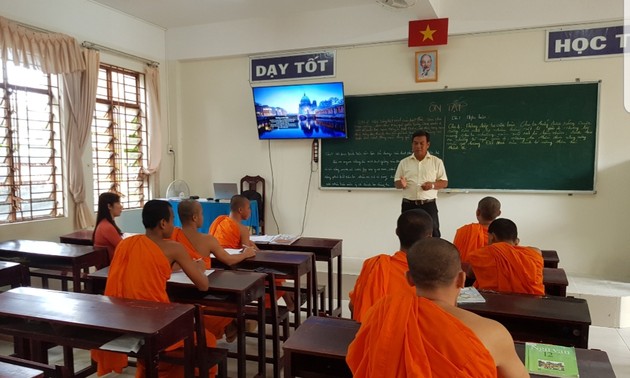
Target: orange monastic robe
x=469, y=238
x=380, y=275
x=404, y=335
x=508, y=268
x=227, y=232
x=213, y=324
x=139, y=271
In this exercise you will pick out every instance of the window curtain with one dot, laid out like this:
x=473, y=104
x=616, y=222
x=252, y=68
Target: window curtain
x=80, y=98
x=51, y=53
x=154, y=120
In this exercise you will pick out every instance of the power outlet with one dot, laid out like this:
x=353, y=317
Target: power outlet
x=315, y=150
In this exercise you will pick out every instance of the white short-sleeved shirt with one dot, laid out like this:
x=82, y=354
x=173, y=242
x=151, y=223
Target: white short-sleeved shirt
x=417, y=172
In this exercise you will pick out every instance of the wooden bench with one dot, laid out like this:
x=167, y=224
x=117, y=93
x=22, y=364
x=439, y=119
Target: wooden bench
x=555, y=281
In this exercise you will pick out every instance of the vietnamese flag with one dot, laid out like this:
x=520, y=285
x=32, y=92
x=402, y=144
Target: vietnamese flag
x=428, y=32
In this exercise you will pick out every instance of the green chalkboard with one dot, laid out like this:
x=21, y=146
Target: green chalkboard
x=527, y=138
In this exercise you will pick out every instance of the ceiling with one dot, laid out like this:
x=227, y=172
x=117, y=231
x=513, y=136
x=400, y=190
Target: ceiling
x=170, y=14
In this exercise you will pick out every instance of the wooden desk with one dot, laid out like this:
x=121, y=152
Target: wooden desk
x=591, y=362
x=80, y=237
x=551, y=320
x=319, y=348
x=51, y=255
x=550, y=258
x=324, y=250
x=13, y=274
x=288, y=265
x=88, y=321
x=229, y=290
x=555, y=281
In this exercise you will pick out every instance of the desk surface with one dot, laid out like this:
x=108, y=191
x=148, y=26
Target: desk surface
x=320, y=342
x=45, y=248
x=106, y=313
x=81, y=237
x=550, y=258
x=546, y=319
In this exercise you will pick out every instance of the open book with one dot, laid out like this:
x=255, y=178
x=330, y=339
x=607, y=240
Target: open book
x=551, y=360
x=470, y=295
x=285, y=239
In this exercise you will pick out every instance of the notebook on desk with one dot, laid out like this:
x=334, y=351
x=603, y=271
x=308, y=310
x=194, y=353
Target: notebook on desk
x=224, y=191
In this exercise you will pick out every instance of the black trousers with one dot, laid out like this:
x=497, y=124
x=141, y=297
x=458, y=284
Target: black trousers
x=429, y=207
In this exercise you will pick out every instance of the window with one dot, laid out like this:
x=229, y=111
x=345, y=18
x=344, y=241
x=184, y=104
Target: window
x=31, y=173
x=119, y=136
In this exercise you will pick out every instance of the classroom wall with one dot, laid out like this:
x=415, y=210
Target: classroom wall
x=212, y=110
x=87, y=21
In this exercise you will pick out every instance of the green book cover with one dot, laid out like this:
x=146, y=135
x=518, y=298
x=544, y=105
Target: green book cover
x=551, y=360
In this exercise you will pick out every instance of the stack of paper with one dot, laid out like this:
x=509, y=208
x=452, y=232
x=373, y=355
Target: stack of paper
x=470, y=295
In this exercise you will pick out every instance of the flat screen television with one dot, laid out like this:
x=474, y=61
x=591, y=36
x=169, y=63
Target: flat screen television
x=301, y=111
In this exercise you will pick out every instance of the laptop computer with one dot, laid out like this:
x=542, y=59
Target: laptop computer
x=224, y=191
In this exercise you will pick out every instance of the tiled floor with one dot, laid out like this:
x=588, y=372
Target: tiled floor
x=615, y=341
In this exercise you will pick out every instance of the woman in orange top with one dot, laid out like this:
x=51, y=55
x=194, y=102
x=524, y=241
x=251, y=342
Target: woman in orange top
x=106, y=233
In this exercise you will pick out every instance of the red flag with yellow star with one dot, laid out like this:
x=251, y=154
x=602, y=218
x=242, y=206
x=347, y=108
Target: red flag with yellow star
x=428, y=32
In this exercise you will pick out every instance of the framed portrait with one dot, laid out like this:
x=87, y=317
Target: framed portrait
x=426, y=66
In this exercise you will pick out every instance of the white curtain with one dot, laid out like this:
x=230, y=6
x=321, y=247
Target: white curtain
x=154, y=125
x=80, y=98
x=51, y=53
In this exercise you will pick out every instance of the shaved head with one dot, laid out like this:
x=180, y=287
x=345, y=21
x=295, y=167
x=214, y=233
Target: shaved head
x=489, y=208
x=433, y=263
x=238, y=202
x=187, y=209
x=412, y=226
x=504, y=230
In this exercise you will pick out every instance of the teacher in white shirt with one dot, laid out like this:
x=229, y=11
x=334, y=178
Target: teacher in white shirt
x=420, y=176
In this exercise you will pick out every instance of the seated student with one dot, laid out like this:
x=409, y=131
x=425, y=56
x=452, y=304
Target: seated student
x=199, y=246
x=475, y=235
x=425, y=334
x=140, y=269
x=385, y=274
x=231, y=233
x=106, y=233
x=505, y=266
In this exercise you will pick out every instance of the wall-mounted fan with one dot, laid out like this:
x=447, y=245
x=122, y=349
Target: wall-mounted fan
x=398, y=4
x=178, y=189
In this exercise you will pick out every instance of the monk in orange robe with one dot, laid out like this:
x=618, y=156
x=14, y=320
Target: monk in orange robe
x=200, y=246
x=425, y=334
x=475, y=235
x=140, y=269
x=504, y=265
x=385, y=274
x=231, y=233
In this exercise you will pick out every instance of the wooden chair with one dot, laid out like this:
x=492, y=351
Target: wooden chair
x=253, y=187
x=277, y=316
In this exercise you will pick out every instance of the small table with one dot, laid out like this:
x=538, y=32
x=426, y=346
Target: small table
x=319, y=348
x=87, y=321
x=555, y=281
x=13, y=274
x=551, y=320
x=230, y=290
x=51, y=255
x=324, y=250
x=550, y=258
x=80, y=237
x=288, y=265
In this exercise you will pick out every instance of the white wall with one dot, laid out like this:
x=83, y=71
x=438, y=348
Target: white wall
x=217, y=141
x=87, y=21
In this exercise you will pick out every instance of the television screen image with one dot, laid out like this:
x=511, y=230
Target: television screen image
x=302, y=111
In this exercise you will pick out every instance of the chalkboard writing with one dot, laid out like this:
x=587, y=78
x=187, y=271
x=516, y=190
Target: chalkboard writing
x=516, y=138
